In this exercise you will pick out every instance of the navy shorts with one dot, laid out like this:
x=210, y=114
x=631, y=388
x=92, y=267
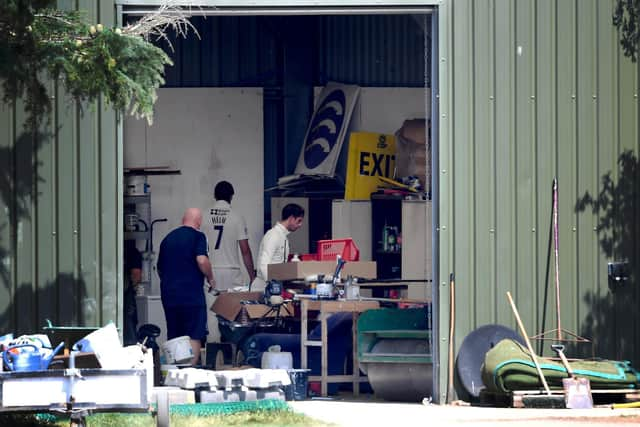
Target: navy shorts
x=191, y=321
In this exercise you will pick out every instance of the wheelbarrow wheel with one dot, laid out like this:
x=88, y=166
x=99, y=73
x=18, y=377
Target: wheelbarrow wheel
x=240, y=358
x=219, y=361
x=78, y=421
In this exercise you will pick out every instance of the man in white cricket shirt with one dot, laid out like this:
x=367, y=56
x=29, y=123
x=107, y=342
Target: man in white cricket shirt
x=228, y=240
x=274, y=247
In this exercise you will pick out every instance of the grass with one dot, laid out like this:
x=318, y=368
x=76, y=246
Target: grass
x=270, y=418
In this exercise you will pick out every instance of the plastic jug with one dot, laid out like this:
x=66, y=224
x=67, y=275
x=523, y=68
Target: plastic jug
x=26, y=361
x=276, y=359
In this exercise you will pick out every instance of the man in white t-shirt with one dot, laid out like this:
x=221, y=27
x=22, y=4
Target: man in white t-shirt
x=274, y=247
x=228, y=240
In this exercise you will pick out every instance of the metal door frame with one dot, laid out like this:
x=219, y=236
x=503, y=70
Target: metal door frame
x=438, y=103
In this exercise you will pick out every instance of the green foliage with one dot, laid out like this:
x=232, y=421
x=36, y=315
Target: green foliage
x=38, y=43
x=626, y=18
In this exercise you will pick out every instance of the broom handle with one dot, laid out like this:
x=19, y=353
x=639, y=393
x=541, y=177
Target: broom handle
x=526, y=339
x=559, y=348
x=556, y=252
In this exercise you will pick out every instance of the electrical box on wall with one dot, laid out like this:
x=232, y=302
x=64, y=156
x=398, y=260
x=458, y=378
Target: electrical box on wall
x=618, y=275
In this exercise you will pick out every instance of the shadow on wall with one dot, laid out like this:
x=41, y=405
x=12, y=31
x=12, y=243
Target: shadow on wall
x=47, y=302
x=17, y=193
x=613, y=322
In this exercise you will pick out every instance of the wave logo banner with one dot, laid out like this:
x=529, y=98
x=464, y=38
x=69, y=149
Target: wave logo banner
x=327, y=128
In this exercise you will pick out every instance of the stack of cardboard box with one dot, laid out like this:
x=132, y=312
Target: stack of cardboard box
x=413, y=152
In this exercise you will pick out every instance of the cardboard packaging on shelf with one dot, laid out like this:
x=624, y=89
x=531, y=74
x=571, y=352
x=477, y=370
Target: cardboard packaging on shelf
x=302, y=269
x=413, y=151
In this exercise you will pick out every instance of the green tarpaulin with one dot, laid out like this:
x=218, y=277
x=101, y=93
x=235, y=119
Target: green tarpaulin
x=508, y=366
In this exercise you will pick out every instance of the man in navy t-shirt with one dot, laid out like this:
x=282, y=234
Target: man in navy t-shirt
x=183, y=264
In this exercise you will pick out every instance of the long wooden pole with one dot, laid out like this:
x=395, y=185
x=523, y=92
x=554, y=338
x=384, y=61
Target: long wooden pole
x=557, y=256
x=526, y=339
x=452, y=328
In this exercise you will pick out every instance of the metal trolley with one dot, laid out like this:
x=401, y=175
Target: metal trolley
x=75, y=392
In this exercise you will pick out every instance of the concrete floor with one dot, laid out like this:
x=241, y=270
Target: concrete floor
x=373, y=413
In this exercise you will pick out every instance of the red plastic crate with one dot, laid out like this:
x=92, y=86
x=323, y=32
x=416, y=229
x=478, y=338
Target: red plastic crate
x=308, y=257
x=328, y=250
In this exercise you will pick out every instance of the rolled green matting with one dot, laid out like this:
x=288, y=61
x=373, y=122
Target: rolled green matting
x=226, y=408
x=47, y=417
x=202, y=409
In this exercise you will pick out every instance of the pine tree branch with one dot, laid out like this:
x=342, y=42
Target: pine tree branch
x=90, y=60
x=156, y=24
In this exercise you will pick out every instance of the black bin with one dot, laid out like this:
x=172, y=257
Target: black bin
x=297, y=390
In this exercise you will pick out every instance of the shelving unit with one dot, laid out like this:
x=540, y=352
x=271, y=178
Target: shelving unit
x=325, y=308
x=141, y=205
x=355, y=219
x=386, y=232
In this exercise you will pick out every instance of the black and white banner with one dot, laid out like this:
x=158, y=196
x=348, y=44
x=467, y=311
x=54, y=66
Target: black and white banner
x=327, y=128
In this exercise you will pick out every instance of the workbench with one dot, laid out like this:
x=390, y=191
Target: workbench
x=326, y=307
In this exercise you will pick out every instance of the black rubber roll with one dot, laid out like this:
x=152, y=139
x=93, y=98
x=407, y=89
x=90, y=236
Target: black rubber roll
x=473, y=350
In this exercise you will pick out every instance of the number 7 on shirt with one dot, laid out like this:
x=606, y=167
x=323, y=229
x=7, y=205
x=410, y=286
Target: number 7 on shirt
x=219, y=229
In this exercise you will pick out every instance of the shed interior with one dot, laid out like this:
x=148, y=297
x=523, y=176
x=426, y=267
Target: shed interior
x=236, y=106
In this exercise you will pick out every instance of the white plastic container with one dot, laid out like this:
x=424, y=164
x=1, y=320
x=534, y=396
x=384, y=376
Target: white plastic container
x=164, y=370
x=324, y=290
x=177, y=350
x=105, y=343
x=136, y=185
x=276, y=359
x=138, y=359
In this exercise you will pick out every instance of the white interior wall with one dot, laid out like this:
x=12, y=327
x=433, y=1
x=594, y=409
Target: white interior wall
x=384, y=109
x=209, y=134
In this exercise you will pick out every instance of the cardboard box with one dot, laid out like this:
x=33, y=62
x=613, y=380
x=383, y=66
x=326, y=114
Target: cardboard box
x=302, y=269
x=256, y=311
x=413, y=151
x=229, y=305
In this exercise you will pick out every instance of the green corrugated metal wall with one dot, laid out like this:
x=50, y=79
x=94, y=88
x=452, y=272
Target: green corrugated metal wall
x=60, y=214
x=530, y=90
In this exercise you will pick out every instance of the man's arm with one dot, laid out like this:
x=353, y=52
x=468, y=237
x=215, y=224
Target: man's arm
x=205, y=267
x=247, y=257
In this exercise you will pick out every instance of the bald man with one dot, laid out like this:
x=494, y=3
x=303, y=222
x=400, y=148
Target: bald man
x=183, y=265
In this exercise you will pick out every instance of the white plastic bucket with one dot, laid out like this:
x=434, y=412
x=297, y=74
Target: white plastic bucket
x=276, y=360
x=177, y=350
x=105, y=343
